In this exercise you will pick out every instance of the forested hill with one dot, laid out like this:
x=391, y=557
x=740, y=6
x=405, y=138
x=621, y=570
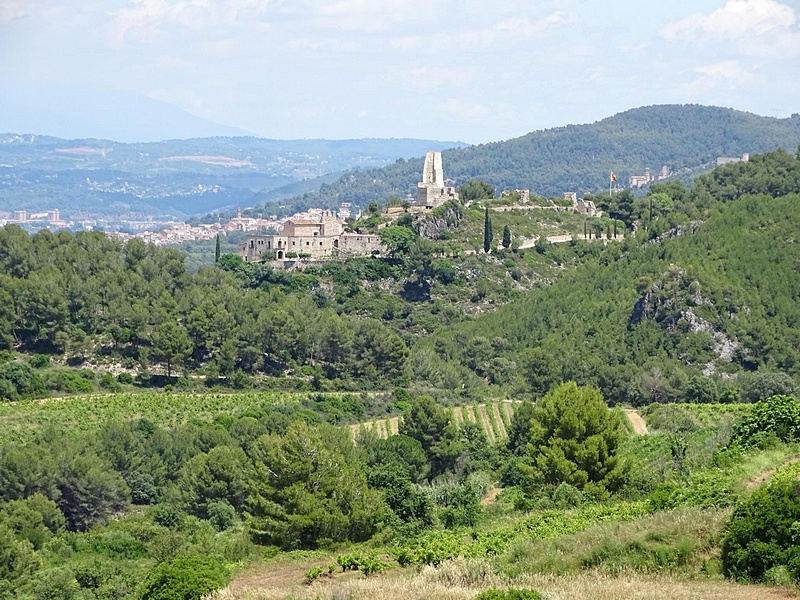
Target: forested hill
x=579, y=157
x=700, y=311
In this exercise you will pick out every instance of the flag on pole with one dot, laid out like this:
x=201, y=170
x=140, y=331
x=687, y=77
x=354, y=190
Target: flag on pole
x=613, y=177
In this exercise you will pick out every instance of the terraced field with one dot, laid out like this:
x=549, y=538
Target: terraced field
x=493, y=417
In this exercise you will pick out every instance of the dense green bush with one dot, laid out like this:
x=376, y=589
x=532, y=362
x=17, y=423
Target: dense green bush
x=764, y=531
x=777, y=417
x=185, y=578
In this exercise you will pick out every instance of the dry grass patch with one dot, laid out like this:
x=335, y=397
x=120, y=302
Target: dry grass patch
x=456, y=581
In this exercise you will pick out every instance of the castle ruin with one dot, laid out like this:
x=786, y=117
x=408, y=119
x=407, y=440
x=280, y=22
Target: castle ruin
x=316, y=239
x=431, y=191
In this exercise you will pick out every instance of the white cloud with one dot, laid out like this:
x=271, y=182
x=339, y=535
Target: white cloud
x=598, y=73
x=371, y=15
x=518, y=28
x=737, y=19
x=727, y=70
x=150, y=20
x=524, y=29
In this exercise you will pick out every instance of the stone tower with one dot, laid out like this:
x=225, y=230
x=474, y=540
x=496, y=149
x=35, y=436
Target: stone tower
x=431, y=191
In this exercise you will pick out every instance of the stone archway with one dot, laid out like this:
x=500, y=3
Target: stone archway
x=280, y=254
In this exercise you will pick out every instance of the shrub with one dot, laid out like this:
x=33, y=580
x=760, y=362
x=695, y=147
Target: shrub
x=567, y=496
x=372, y=564
x=763, y=532
x=58, y=583
x=313, y=573
x=221, y=514
x=142, y=486
x=168, y=515
x=125, y=378
x=39, y=361
x=778, y=416
x=185, y=578
x=107, y=382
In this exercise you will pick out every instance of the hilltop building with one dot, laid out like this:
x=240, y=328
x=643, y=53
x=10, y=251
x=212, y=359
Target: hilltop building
x=523, y=195
x=431, y=191
x=582, y=206
x=725, y=160
x=637, y=181
x=319, y=237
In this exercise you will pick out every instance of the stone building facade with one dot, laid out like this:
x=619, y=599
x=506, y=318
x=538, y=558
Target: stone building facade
x=314, y=239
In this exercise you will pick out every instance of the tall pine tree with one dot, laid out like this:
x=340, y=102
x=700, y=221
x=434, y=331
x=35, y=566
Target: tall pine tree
x=217, y=251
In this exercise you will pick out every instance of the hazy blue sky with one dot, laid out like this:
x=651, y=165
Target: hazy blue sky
x=463, y=69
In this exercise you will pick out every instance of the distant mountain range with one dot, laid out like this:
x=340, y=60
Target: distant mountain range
x=177, y=177
x=75, y=112
x=579, y=158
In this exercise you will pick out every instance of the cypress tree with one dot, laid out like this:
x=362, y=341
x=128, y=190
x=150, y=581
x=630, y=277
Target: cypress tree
x=217, y=251
x=488, y=236
x=506, y=237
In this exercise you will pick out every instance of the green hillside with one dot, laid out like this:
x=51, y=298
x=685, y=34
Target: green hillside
x=645, y=321
x=384, y=447
x=579, y=157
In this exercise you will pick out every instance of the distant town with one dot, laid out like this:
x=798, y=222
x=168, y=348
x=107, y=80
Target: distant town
x=430, y=193
x=158, y=232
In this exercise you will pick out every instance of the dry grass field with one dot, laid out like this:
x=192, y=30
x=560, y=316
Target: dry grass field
x=463, y=580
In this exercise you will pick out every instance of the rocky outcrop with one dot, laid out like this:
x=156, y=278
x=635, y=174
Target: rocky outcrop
x=444, y=219
x=672, y=302
x=680, y=230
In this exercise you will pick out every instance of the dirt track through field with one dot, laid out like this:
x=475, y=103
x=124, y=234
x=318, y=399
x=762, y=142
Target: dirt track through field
x=636, y=421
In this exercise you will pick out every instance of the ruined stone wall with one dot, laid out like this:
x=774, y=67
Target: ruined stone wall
x=357, y=244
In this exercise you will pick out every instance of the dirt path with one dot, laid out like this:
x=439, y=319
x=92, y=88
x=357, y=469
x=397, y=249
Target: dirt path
x=765, y=476
x=491, y=497
x=636, y=421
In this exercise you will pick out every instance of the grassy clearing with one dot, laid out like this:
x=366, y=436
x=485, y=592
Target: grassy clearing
x=463, y=580
x=682, y=541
